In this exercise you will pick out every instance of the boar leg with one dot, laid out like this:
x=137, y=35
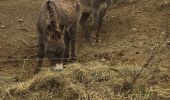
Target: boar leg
x=83, y=23
x=101, y=16
x=73, y=42
x=67, y=43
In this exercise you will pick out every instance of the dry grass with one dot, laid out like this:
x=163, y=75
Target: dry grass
x=104, y=72
x=91, y=81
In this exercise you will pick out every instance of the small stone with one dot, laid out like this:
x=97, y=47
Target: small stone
x=103, y=59
x=163, y=33
x=113, y=16
x=134, y=29
x=2, y=26
x=20, y=20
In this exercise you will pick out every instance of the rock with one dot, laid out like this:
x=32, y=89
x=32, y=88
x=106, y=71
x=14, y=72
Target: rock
x=2, y=26
x=103, y=59
x=135, y=12
x=20, y=20
x=134, y=29
x=163, y=33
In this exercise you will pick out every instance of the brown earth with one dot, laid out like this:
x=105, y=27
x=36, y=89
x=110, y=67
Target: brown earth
x=130, y=32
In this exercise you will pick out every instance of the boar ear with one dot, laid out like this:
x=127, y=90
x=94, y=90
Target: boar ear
x=49, y=33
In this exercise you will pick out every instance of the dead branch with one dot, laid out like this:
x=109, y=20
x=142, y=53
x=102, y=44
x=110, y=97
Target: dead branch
x=130, y=85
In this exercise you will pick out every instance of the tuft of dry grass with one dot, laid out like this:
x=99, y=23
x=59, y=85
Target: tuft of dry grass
x=90, y=81
x=50, y=82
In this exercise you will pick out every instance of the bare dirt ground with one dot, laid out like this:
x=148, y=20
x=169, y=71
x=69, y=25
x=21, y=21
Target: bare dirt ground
x=129, y=35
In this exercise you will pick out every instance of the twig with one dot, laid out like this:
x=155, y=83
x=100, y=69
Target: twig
x=155, y=51
x=33, y=59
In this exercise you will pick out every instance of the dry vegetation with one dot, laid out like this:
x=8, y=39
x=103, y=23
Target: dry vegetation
x=131, y=31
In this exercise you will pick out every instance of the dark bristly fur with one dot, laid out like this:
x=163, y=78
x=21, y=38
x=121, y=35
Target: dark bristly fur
x=52, y=15
x=57, y=25
x=96, y=8
x=61, y=16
